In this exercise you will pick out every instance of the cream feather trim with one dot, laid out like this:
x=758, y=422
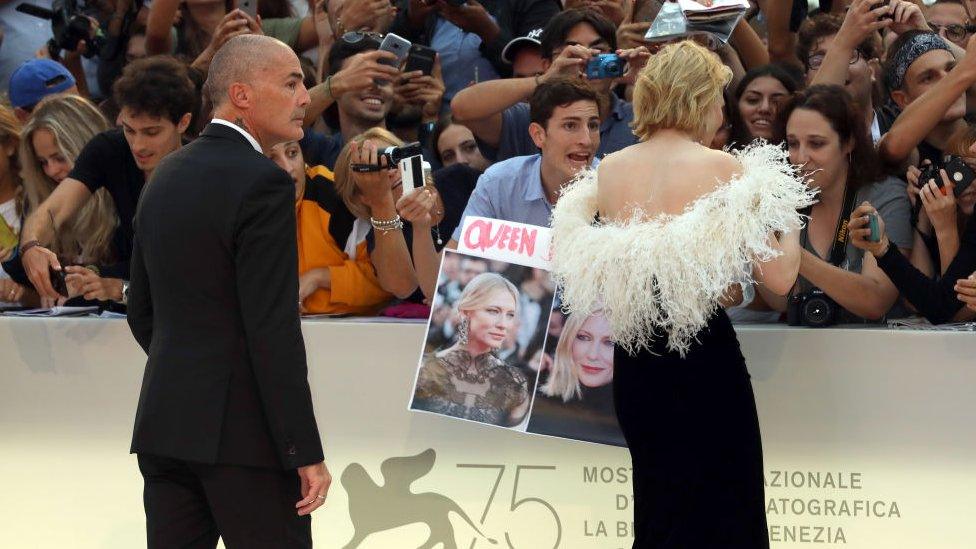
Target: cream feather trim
x=666, y=275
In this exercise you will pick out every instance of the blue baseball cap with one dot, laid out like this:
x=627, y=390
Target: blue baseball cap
x=36, y=79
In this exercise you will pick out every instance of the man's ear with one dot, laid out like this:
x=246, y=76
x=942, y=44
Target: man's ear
x=900, y=98
x=241, y=95
x=184, y=122
x=538, y=134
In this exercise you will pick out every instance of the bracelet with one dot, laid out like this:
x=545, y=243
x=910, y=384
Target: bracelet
x=328, y=86
x=387, y=225
x=27, y=246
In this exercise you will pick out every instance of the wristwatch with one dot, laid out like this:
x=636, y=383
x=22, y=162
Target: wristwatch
x=125, y=292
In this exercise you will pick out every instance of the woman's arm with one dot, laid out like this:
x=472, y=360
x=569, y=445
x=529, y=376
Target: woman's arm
x=868, y=294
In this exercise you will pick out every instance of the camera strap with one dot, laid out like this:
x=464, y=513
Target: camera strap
x=838, y=250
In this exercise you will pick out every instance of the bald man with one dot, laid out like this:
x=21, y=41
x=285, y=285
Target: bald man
x=225, y=434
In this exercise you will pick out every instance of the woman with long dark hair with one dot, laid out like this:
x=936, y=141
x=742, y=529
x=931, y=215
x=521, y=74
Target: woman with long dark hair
x=757, y=99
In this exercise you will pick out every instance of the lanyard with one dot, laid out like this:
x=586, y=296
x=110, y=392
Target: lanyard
x=838, y=250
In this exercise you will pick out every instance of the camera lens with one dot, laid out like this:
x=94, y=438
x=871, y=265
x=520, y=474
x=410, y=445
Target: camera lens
x=817, y=312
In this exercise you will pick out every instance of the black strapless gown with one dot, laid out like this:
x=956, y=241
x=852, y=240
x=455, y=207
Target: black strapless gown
x=693, y=434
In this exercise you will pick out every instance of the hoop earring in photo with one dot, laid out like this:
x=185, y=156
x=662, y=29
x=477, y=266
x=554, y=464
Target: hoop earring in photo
x=463, y=331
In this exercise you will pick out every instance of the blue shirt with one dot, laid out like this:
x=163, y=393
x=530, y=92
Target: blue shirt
x=511, y=191
x=320, y=149
x=615, y=132
x=460, y=55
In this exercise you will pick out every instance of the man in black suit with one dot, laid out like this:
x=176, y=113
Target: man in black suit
x=226, y=437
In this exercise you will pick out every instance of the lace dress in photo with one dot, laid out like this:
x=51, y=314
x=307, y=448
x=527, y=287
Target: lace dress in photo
x=682, y=393
x=483, y=388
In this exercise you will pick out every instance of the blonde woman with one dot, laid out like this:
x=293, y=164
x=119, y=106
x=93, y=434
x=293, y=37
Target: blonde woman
x=466, y=380
x=583, y=357
x=51, y=140
x=404, y=261
x=669, y=246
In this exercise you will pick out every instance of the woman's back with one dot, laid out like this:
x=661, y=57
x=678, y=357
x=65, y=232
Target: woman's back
x=661, y=176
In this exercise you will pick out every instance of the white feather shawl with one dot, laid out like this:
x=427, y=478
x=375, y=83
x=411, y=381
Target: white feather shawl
x=667, y=274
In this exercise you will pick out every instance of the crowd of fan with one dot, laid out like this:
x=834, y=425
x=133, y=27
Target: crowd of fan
x=866, y=97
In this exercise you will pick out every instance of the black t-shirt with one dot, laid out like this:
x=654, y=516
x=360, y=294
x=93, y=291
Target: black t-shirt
x=106, y=162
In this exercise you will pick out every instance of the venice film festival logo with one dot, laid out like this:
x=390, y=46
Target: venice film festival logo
x=375, y=508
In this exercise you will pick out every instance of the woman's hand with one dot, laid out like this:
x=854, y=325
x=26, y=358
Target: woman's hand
x=10, y=291
x=312, y=281
x=86, y=283
x=860, y=232
x=374, y=186
x=966, y=291
x=940, y=204
x=417, y=207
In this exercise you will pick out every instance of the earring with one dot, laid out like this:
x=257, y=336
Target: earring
x=463, y=331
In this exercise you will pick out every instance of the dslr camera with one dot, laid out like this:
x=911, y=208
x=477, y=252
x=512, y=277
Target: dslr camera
x=959, y=172
x=605, y=65
x=69, y=25
x=813, y=308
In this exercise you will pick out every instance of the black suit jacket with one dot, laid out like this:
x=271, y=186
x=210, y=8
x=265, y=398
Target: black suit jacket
x=213, y=300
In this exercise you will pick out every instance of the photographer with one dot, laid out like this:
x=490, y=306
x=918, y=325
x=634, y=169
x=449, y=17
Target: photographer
x=828, y=142
x=356, y=96
x=470, y=35
x=157, y=99
x=376, y=197
x=939, y=300
x=942, y=215
x=495, y=111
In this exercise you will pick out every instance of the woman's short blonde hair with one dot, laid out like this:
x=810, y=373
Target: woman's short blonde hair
x=476, y=293
x=676, y=89
x=563, y=378
x=344, y=182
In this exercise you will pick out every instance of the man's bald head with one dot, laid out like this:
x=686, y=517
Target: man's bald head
x=239, y=60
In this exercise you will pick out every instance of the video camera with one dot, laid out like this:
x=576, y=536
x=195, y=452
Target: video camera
x=69, y=25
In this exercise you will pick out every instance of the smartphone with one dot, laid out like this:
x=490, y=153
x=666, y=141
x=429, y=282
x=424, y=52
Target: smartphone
x=249, y=7
x=875, y=235
x=412, y=172
x=400, y=47
x=8, y=238
x=421, y=58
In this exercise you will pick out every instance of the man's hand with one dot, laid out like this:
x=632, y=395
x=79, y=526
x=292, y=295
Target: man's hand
x=471, y=17
x=362, y=71
x=861, y=20
x=636, y=58
x=37, y=262
x=86, y=283
x=424, y=90
x=356, y=15
x=906, y=16
x=571, y=61
x=315, y=487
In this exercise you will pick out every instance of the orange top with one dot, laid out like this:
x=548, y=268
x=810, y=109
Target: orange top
x=325, y=227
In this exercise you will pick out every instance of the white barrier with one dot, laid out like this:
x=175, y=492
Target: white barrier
x=868, y=438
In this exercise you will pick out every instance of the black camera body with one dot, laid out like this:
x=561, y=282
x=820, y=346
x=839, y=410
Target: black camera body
x=394, y=155
x=813, y=308
x=959, y=173
x=69, y=25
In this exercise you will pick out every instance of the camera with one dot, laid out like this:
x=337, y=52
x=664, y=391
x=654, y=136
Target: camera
x=394, y=155
x=69, y=25
x=959, y=172
x=605, y=65
x=813, y=308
